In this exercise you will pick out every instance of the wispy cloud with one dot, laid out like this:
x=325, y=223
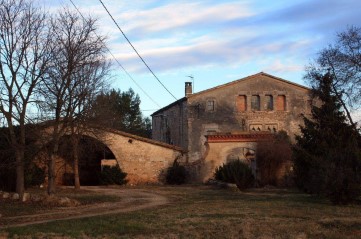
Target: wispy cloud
x=181, y=34
x=182, y=15
x=216, y=41
x=210, y=52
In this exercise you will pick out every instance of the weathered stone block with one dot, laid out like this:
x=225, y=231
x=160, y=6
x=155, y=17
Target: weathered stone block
x=26, y=197
x=6, y=195
x=15, y=196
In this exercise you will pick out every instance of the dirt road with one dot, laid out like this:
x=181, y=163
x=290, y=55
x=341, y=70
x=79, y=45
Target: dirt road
x=129, y=200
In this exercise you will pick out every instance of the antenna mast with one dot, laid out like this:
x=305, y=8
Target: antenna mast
x=192, y=78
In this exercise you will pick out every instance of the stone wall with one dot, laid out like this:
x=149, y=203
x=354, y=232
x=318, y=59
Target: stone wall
x=259, y=103
x=144, y=160
x=217, y=155
x=170, y=125
x=230, y=116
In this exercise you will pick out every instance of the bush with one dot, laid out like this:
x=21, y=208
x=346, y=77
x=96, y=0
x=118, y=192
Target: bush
x=176, y=174
x=7, y=179
x=236, y=172
x=343, y=178
x=112, y=175
x=34, y=175
x=223, y=173
x=273, y=159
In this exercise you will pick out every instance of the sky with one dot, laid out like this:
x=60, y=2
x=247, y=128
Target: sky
x=213, y=41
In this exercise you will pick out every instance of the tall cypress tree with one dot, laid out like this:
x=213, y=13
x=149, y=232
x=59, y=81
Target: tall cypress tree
x=327, y=153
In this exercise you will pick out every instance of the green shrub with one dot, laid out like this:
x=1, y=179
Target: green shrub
x=112, y=175
x=236, y=172
x=176, y=174
x=224, y=174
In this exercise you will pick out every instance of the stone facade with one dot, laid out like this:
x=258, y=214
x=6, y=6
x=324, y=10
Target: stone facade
x=170, y=125
x=258, y=103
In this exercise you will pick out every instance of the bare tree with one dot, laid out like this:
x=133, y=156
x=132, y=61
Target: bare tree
x=91, y=80
x=343, y=60
x=274, y=159
x=23, y=60
x=77, y=72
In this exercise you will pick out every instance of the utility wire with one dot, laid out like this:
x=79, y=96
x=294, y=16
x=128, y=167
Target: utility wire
x=116, y=60
x=135, y=49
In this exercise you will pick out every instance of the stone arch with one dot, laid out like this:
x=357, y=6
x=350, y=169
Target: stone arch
x=92, y=151
x=228, y=146
x=144, y=160
x=244, y=153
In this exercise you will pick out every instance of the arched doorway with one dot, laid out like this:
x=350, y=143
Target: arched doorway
x=91, y=153
x=245, y=154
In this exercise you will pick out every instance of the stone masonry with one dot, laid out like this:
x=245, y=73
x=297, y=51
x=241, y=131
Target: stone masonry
x=144, y=160
x=258, y=103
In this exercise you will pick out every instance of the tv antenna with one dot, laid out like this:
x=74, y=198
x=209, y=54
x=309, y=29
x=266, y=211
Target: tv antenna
x=192, y=78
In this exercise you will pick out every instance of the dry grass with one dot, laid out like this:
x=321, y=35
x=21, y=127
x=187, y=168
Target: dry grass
x=204, y=212
x=9, y=207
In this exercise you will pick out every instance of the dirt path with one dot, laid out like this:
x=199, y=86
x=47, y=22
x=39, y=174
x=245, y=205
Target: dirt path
x=129, y=200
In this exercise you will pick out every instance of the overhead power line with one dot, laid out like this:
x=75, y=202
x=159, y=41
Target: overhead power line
x=116, y=60
x=106, y=9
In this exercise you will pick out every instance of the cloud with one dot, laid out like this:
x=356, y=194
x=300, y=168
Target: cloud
x=282, y=67
x=209, y=52
x=178, y=34
x=177, y=16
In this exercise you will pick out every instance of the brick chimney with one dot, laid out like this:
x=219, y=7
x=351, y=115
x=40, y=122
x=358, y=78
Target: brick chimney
x=188, y=88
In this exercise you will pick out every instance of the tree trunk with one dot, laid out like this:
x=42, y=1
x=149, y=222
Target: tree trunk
x=76, y=162
x=51, y=172
x=51, y=163
x=344, y=107
x=19, y=157
x=20, y=188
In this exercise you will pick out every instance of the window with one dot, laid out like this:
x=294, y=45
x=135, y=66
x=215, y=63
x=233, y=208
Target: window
x=241, y=103
x=255, y=102
x=210, y=105
x=272, y=128
x=255, y=127
x=268, y=102
x=281, y=103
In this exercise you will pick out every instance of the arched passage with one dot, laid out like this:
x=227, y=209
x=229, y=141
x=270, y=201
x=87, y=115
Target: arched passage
x=144, y=160
x=91, y=153
x=223, y=148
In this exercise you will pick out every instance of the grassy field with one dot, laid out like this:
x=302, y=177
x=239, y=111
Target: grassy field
x=16, y=208
x=205, y=212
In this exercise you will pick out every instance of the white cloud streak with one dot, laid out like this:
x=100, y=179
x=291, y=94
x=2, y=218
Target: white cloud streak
x=178, y=34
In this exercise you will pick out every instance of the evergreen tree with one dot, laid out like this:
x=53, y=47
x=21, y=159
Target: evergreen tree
x=121, y=111
x=327, y=154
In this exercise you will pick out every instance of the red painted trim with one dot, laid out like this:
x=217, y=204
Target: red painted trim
x=220, y=138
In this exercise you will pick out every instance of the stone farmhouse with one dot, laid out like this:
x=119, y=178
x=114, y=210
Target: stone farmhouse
x=226, y=122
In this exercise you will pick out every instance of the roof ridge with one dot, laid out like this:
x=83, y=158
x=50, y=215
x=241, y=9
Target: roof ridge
x=247, y=78
x=231, y=83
